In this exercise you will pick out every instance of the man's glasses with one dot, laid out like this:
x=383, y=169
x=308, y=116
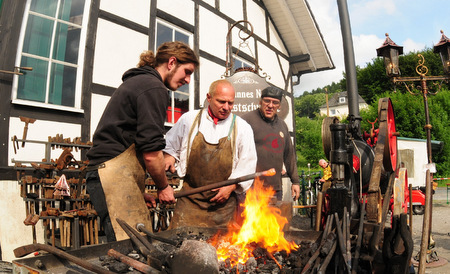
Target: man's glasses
x=268, y=101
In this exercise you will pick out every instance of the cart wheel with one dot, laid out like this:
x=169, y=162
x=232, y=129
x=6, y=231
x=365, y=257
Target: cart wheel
x=419, y=209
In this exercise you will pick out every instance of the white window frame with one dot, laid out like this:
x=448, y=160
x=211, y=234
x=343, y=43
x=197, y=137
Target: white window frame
x=79, y=65
x=191, y=84
x=342, y=99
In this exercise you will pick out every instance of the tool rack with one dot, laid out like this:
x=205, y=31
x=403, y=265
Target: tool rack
x=69, y=221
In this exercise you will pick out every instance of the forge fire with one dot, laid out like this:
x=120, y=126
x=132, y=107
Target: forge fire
x=262, y=230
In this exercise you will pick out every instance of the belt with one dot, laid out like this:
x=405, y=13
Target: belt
x=96, y=167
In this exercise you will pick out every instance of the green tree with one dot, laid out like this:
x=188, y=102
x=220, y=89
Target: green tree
x=409, y=113
x=308, y=105
x=308, y=141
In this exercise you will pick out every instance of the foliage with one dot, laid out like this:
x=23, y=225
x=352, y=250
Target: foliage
x=373, y=84
x=308, y=105
x=308, y=141
x=409, y=113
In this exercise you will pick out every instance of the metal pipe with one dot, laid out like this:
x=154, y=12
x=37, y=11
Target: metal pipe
x=426, y=226
x=350, y=67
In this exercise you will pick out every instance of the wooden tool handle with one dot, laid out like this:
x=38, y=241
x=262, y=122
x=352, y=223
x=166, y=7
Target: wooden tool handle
x=27, y=249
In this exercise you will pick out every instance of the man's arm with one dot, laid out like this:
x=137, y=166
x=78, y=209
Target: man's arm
x=154, y=162
x=245, y=159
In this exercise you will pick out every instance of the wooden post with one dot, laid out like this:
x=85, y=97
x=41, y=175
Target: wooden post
x=319, y=210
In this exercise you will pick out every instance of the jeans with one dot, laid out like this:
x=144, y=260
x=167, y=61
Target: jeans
x=97, y=197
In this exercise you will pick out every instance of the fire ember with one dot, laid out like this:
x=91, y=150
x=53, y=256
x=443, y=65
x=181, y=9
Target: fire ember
x=259, y=242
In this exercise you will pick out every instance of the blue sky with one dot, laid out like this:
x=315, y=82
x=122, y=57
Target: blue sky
x=413, y=24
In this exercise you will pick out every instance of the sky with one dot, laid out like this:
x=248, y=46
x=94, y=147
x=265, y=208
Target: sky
x=413, y=24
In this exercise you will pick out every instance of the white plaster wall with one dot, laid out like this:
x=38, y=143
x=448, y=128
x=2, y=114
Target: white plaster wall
x=39, y=131
x=181, y=9
x=209, y=72
x=275, y=40
x=247, y=47
x=212, y=34
x=13, y=233
x=269, y=64
x=420, y=160
x=288, y=120
x=98, y=105
x=117, y=49
x=232, y=8
x=135, y=10
x=256, y=16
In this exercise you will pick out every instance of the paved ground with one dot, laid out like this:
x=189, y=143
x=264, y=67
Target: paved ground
x=440, y=229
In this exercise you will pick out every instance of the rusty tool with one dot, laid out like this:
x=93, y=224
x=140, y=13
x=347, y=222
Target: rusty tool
x=341, y=241
x=316, y=254
x=355, y=264
x=184, y=193
x=144, y=268
x=143, y=245
x=15, y=144
x=27, y=249
x=141, y=227
x=25, y=129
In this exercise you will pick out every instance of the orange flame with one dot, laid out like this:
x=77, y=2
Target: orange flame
x=263, y=225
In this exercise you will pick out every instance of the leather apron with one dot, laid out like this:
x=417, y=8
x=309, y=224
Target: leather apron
x=123, y=182
x=206, y=163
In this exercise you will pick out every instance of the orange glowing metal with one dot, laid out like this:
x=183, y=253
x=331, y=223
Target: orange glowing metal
x=269, y=172
x=262, y=226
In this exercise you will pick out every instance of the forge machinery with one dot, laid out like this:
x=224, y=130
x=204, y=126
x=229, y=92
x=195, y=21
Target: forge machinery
x=363, y=175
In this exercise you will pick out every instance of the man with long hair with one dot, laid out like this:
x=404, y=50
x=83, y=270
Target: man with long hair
x=130, y=133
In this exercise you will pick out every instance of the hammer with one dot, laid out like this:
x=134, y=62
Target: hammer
x=25, y=129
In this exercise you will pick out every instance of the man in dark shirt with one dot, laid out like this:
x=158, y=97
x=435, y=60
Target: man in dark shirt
x=131, y=130
x=273, y=143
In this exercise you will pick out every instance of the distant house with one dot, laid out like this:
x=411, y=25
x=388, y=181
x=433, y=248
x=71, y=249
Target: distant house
x=338, y=105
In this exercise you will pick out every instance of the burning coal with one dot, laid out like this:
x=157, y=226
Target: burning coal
x=262, y=228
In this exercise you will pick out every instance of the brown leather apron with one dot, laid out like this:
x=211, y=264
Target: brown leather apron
x=206, y=164
x=123, y=182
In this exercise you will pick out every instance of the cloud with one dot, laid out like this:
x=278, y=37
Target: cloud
x=410, y=45
x=365, y=48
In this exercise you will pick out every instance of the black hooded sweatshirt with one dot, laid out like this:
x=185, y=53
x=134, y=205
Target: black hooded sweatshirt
x=135, y=113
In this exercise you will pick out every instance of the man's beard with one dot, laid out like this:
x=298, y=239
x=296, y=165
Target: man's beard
x=169, y=78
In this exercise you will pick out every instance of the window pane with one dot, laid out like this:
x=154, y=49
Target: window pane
x=47, y=7
x=32, y=84
x=72, y=11
x=38, y=36
x=163, y=34
x=67, y=41
x=181, y=37
x=62, y=85
x=181, y=104
x=237, y=64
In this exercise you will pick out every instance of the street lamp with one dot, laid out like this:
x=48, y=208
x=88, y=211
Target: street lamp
x=443, y=48
x=390, y=52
